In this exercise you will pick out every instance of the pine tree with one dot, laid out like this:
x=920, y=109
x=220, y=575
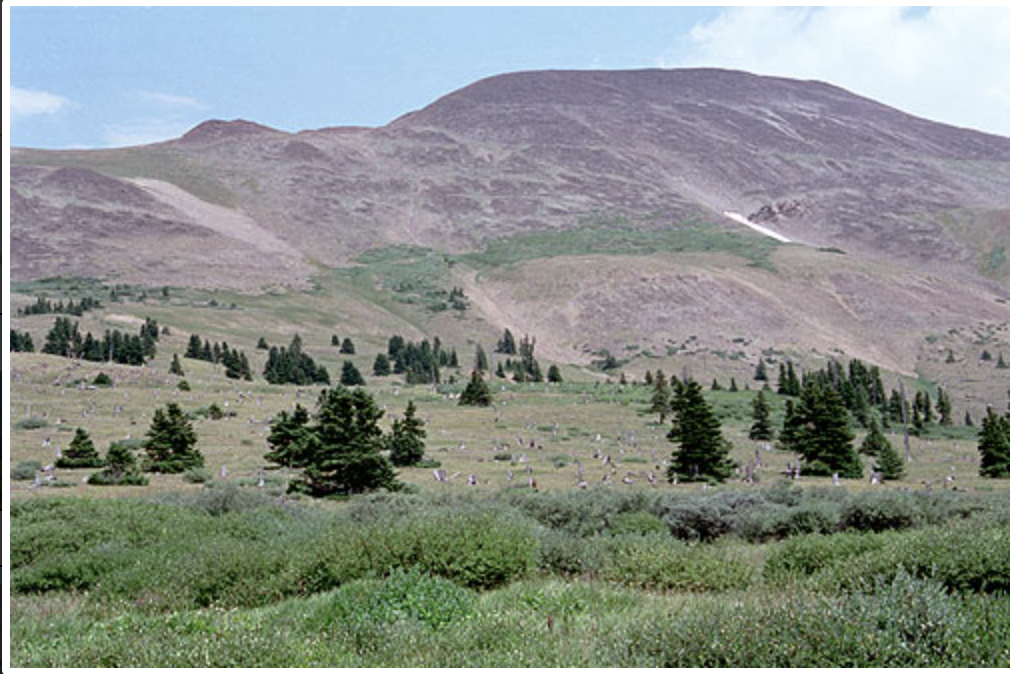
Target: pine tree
x=350, y=376
x=967, y=419
x=944, y=408
x=950, y=357
x=476, y=394
x=993, y=445
x=985, y=355
x=875, y=442
x=1001, y=365
x=342, y=450
x=262, y=344
x=507, y=345
x=826, y=439
x=762, y=427
x=80, y=453
x=715, y=386
x=407, y=439
x=120, y=468
x=789, y=437
x=703, y=453
x=733, y=387
x=660, y=399
x=287, y=438
x=171, y=443
x=381, y=366
x=648, y=378
x=335, y=341
x=554, y=375
x=499, y=371
x=347, y=347
x=176, y=368
x=760, y=371
x=480, y=359
x=889, y=463
x=194, y=348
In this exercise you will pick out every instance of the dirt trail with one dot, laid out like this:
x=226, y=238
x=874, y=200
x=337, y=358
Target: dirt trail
x=225, y=221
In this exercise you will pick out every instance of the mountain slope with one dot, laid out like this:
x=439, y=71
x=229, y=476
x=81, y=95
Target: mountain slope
x=586, y=206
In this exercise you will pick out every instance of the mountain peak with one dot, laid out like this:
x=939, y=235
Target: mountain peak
x=218, y=129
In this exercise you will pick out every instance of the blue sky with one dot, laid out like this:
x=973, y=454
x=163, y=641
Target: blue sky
x=98, y=77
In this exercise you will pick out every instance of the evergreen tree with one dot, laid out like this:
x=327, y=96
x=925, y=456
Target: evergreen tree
x=171, y=443
x=287, y=438
x=760, y=371
x=762, y=427
x=1001, y=365
x=715, y=386
x=648, y=378
x=875, y=442
x=194, y=348
x=889, y=463
x=176, y=368
x=381, y=366
x=507, y=345
x=80, y=453
x=967, y=419
x=350, y=376
x=703, y=453
x=985, y=355
x=407, y=439
x=554, y=376
x=476, y=393
x=993, y=445
x=120, y=468
x=791, y=431
x=262, y=344
x=896, y=405
x=22, y=342
x=944, y=408
x=480, y=359
x=342, y=450
x=950, y=357
x=733, y=387
x=499, y=371
x=347, y=347
x=335, y=341
x=826, y=439
x=660, y=399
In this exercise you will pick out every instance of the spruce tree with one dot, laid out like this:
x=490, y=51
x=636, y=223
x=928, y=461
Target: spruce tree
x=476, y=393
x=715, y=386
x=381, y=365
x=967, y=419
x=120, y=468
x=826, y=439
x=762, y=427
x=176, y=368
x=171, y=442
x=889, y=463
x=944, y=408
x=480, y=359
x=875, y=442
x=790, y=432
x=1001, y=365
x=660, y=399
x=703, y=453
x=350, y=376
x=262, y=344
x=499, y=371
x=287, y=438
x=554, y=375
x=347, y=347
x=407, y=438
x=507, y=345
x=80, y=453
x=343, y=449
x=733, y=387
x=760, y=371
x=335, y=341
x=993, y=445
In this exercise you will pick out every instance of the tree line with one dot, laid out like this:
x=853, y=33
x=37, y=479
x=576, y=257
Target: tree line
x=65, y=339
x=43, y=305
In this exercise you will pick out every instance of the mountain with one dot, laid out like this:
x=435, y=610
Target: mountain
x=587, y=207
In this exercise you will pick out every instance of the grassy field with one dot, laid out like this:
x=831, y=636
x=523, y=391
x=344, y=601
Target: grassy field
x=632, y=572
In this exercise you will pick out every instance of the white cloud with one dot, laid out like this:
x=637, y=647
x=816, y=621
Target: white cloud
x=171, y=100
x=28, y=102
x=143, y=132
x=949, y=64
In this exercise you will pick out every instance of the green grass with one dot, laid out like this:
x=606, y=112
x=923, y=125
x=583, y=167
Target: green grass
x=618, y=240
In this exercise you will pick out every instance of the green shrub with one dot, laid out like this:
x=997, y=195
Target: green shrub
x=803, y=556
x=638, y=522
x=102, y=379
x=568, y=555
x=404, y=595
x=881, y=511
x=197, y=476
x=26, y=470
x=30, y=424
x=660, y=563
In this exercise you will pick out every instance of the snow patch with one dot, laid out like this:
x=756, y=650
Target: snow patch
x=741, y=219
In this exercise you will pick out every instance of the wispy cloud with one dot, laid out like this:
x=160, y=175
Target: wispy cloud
x=143, y=132
x=171, y=100
x=949, y=64
x=29, y=102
